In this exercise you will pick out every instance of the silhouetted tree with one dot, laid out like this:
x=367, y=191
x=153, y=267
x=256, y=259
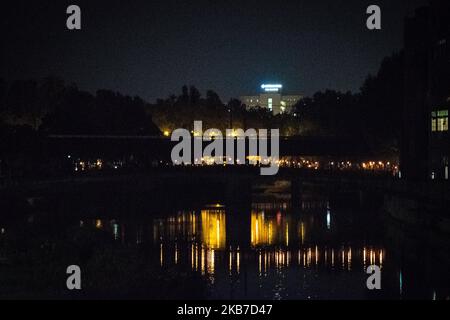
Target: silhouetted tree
x=213, y=100
x=183, y=99
x=330, y=113
x=381, y=104
x=22, y=101
x=75, y=115
x=2, y=96
x=107, y=112
x=194, y=96
x=51, y=92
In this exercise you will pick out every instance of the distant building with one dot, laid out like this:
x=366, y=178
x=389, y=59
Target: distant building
x=425, y=145
x=271, y=98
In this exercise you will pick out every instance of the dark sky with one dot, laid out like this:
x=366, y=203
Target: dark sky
x=151, y=48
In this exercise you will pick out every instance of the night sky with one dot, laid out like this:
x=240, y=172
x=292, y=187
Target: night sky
x=151, y=48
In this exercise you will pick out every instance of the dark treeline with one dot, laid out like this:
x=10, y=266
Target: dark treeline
x=50, y=106
x=381, y=101
x=375, y=113
x=181, y=111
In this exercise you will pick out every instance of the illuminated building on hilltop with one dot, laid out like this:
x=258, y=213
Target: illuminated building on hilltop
x=271, y=98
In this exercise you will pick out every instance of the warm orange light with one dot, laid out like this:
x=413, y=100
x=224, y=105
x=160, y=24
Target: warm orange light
x=214, y=228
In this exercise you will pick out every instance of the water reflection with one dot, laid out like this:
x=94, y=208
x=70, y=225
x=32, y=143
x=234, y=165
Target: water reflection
x=278, y=239
x=317, y=249
x=269, y=230
x=213, y=228
x=280, y=242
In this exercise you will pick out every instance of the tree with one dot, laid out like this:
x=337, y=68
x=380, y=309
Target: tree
x=213, y=100
x=107, y=112
x=50, y=93
x=22, y=102
x=75, y=115
x=194, y=96
x=330, y=113
x=381, y=103
x=183, y=99
x=2, y=97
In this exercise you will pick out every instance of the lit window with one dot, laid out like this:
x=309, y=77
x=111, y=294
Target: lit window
x=270, y=104
x=433, y=125
x=442, y=124
x=439, y=121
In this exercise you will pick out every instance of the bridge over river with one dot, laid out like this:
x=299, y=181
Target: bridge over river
x=161, y=147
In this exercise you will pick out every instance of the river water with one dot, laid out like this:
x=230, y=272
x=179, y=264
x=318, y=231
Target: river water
x=266, y=249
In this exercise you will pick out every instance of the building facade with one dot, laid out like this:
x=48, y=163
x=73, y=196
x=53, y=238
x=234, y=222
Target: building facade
x=425, y=141
x=272, y=98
